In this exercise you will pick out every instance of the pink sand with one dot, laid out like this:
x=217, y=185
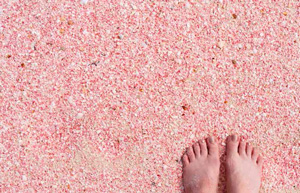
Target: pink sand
x=105, y=96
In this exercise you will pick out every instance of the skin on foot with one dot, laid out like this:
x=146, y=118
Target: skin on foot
x=243, y=166
x=201, y=165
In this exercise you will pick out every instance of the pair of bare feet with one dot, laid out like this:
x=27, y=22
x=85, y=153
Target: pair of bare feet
x=201, y=166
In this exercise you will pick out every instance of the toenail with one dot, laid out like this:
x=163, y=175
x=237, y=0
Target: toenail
x=211, y=140
x=233, y=137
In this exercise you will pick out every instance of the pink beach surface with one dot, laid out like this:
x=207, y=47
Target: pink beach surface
x=105, y=96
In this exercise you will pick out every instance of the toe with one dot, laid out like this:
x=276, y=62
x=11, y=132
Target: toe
x=232, y=145
x=212, y=146
x=185, y=160
x=260, y=161
x=255, y=154
x=249, y=149
x=242, y=148
x=190, y=154
x=196, y=148
x=203, y=148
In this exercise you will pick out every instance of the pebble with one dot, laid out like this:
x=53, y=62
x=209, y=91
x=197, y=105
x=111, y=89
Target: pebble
x=221, y=44
x=79, y=116
x=84, y=1
x=24, y=177
x=71, y=100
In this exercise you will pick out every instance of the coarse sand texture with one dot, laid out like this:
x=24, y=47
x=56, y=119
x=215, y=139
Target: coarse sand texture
x=105, y=96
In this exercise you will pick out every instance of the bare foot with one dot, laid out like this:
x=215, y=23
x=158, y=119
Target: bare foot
x=243, y=167
x=201, y=165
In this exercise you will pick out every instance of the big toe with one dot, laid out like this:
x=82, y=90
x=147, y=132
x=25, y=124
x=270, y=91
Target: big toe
x=212, y=146
x=232, y=145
